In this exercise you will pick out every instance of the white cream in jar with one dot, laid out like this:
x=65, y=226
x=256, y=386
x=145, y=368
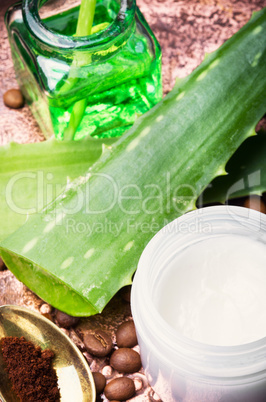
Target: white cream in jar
x=199, y=305
x=214, y=291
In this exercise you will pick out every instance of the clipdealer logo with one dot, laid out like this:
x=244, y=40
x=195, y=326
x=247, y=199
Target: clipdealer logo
x=129, y=198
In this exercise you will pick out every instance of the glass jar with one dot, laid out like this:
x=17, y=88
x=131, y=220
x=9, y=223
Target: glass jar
x=178, y=367
x=113, y=75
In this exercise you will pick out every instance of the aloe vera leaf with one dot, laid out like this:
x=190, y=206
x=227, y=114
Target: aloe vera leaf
x=33, y=175
x=86, y=246
x=246, y=173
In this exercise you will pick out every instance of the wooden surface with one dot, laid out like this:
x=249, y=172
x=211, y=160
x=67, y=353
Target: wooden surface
x=186, y=30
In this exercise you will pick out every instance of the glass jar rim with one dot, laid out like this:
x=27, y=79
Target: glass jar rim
x=153, y=322
x=122, y=21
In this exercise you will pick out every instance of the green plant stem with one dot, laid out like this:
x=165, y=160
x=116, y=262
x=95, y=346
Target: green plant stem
x=72, y=80
x=86, y=16
x=75, y=119
x=84, y=27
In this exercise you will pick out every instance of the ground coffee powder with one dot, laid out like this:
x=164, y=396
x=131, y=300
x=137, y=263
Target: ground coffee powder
x=30, y=370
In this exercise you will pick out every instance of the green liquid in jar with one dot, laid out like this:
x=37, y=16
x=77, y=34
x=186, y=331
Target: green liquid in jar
x=120, y=80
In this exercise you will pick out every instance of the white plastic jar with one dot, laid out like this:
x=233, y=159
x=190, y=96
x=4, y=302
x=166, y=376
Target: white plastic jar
x=178, y=367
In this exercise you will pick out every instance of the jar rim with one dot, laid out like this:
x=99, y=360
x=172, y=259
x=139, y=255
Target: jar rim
x=123, y=20
x=154, y=323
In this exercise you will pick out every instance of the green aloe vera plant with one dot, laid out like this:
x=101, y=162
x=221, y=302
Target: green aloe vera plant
x=246, y=173
x=85, y=246
x=33, y=175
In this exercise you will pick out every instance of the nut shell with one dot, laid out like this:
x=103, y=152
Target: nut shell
x=98, y=343
x=99, y=381
x=120, y=389
x=126, y=335
x=125, y=360
x=65, y=320
x=13, y=98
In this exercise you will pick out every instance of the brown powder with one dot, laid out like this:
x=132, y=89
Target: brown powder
x=30, y=370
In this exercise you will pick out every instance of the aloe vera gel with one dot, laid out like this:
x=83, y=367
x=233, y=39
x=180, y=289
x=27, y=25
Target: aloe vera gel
x=201, y=321
x=115, y=71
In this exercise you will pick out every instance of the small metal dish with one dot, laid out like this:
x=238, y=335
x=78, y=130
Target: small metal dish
x=74, y=376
